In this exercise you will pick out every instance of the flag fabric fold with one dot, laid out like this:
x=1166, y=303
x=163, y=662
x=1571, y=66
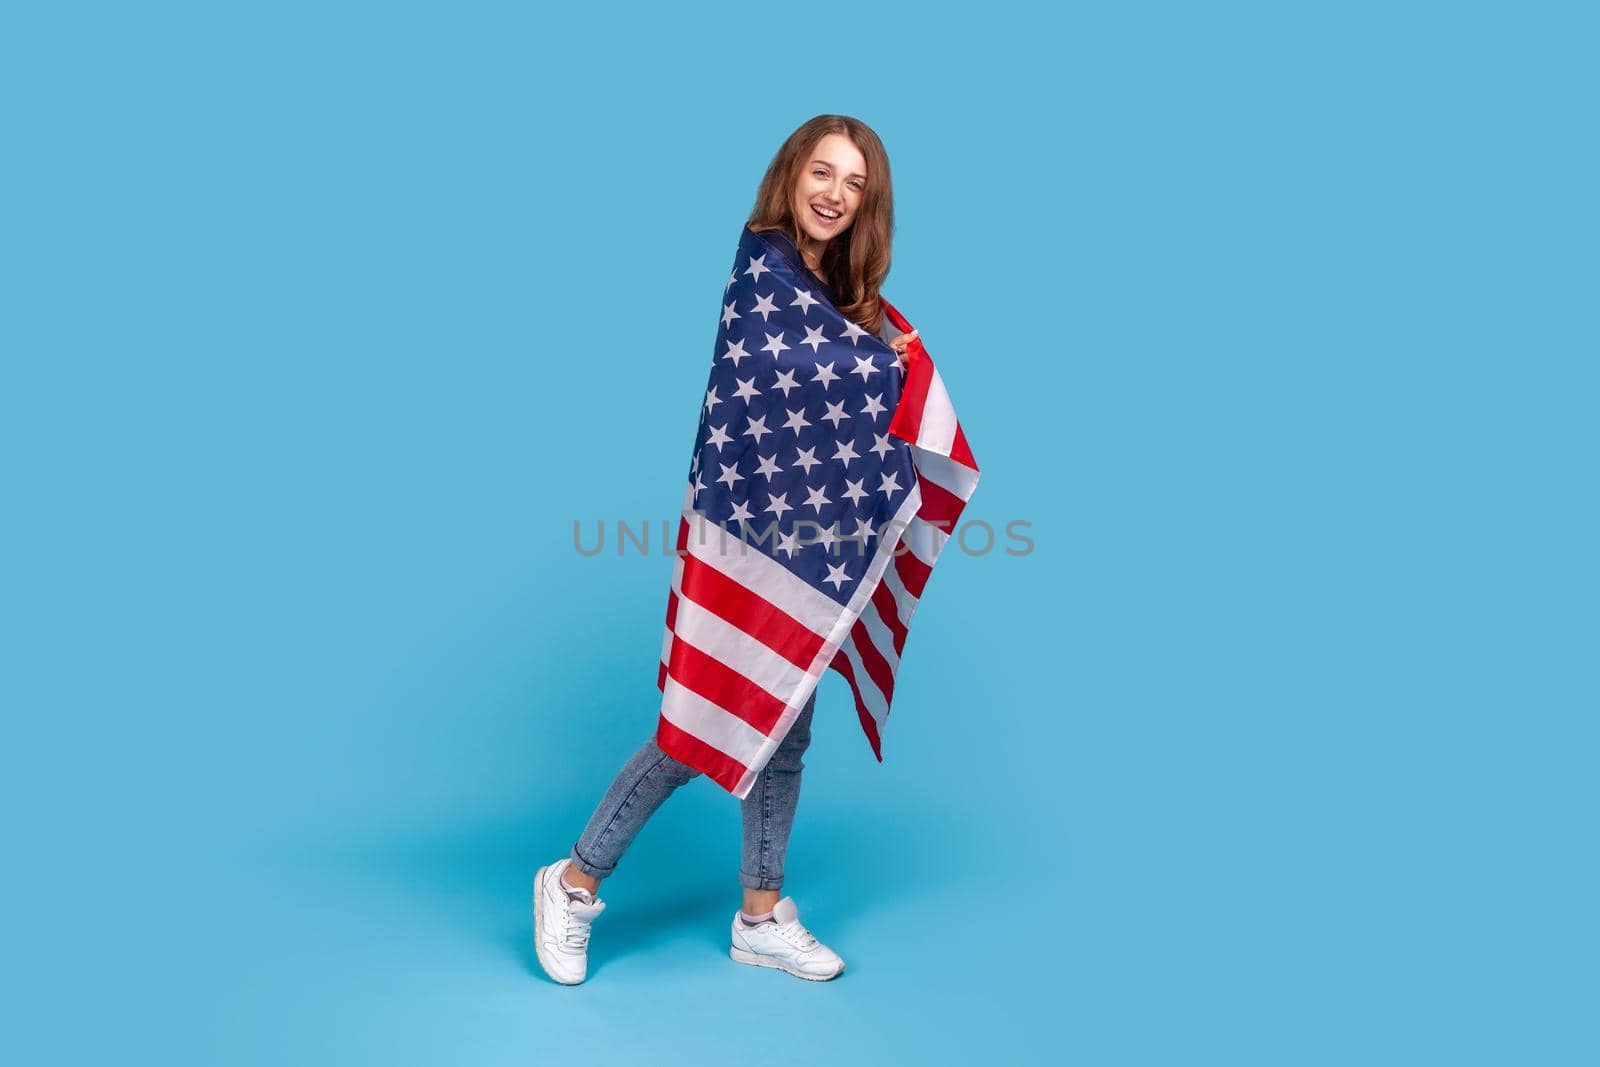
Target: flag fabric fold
x=823, y=487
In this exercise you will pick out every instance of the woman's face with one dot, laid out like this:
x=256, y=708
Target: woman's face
x=828, y=190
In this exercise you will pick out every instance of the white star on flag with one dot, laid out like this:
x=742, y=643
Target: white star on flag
x=746, y=388
x=786, y=382
x=804, y=299
x=835, y=414
x=765, y=306
x=874, y=406
x=758, y=267
x=776, y=505
x=768, y=466
x=807, y=458
x=852, y=331
x=728, y=314
x=796, y=421
x=815, y=498
x=836, y=575
x=775, y=344
x=890, y=484
x=863, y=367
x=825, y=374
x=814, y=338
x=846, y=452
x=730, y=474
x=756, y=429
x=719, y=437
x=735, y=352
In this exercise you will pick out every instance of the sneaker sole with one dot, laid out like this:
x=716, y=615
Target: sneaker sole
x=755, y=959
x=538, y=924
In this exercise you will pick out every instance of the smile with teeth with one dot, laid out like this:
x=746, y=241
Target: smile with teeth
x=825, y=213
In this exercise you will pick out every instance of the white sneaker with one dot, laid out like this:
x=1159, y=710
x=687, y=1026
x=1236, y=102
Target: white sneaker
x=783, y=943
x=561, y=924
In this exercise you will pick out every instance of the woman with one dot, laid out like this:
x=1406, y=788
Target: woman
x=826, y=204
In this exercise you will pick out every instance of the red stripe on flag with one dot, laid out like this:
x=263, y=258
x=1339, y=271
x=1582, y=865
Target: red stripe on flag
x=889, y=612
x=762, y=620
x=907, y=421
x=960, y=452
x=841, y=663
x=939, y=505
x=913, y=572
x=877, y=667
x=724, y=686
x=689, y=749
x=661, y=677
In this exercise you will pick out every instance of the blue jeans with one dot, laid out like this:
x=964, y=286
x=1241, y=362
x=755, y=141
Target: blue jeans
x=650, y=776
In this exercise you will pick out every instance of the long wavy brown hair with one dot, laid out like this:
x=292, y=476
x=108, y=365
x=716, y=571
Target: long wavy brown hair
x=857, y=260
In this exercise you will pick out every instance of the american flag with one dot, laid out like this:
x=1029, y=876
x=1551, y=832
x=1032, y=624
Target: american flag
x=824, y=485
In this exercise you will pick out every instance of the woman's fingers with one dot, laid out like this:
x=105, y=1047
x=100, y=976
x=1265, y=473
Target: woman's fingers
x=901, y=344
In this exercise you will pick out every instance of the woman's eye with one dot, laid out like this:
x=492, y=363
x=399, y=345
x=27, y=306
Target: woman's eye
x=856, y=186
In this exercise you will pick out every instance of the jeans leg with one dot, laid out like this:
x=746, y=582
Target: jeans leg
x=768, y=809
x=640, y=787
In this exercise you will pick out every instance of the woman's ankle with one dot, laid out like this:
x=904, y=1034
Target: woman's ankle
x=573, y=878
x=760, y=901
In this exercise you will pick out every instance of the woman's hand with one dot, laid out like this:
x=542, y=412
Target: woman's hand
x=901, y=344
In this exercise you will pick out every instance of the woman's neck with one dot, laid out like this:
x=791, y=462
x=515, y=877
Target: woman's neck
x=811, y=254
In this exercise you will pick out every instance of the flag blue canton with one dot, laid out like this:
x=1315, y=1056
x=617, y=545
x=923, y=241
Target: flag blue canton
x=794, y=455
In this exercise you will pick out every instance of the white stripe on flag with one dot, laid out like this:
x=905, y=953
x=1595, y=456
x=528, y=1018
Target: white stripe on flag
x=946, y=473
x=903, y=600
x=871, y=695
x=730, y=645
x=751, y=567
x=666, y=637
x=721, y=729
x=882, y=639
x=925, y=540
x=938, y=429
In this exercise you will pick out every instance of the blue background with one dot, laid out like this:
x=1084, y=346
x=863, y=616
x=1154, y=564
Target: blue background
x=322, y=324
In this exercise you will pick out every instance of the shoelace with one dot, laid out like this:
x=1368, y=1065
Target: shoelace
x=798, y=934
x=575, y=932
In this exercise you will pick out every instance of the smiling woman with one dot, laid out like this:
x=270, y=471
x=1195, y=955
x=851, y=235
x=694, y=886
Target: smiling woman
x=830, y=187
x=829, y=191
x=748, y=639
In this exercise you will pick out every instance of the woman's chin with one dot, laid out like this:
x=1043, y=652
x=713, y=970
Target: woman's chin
x=820, y=234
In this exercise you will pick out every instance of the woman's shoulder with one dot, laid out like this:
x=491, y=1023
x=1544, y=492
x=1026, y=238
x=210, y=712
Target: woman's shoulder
x=785, y=245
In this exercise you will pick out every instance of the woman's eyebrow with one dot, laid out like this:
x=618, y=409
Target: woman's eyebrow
x=830, y=166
